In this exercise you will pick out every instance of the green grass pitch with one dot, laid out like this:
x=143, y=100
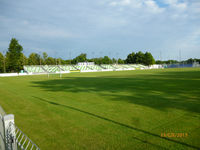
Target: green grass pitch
x=107, y=110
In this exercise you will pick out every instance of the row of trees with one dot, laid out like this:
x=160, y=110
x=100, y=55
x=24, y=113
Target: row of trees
x=14, y=59
x=100, y=60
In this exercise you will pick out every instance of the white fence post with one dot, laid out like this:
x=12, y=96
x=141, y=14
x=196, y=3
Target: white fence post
x=2, y=137
x=9, y=132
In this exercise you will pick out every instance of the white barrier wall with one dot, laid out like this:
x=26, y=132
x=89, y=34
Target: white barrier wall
x=25, y=74
x=12, y=74
x=8, y=74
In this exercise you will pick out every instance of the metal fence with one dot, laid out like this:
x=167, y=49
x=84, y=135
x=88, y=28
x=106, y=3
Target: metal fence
x=11, y=137
x=23, y=142
x=181, y=65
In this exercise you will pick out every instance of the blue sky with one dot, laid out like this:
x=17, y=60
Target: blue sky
x=104, y=27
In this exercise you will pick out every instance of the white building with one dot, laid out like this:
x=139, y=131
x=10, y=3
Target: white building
x=155, y=66
x=85, y=63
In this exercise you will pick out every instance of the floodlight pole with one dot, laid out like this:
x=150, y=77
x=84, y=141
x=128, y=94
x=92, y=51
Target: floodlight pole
x=60, y=69
x=101, y=53
x=160, y=55
x=4, y=65
x=55, y=58
x=70, y=57
x=92, y=56
x=179, y=57
x=23, y=60
x=109, y=55
x=40, y=59
x=117, y=58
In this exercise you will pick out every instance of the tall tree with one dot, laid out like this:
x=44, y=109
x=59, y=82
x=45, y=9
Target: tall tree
x=148, y=59
x=81, y=58
x=1, y=62
x=120, y=61
x=98, y=61
x=45, y=56
x=23, y=61
x=139, y=58
x=106, y=60
x=60, y=61
x=50, y=61
x=34, y=59
x=13, y=56
x=159, y=62
x=113, y=61
x=130, y=58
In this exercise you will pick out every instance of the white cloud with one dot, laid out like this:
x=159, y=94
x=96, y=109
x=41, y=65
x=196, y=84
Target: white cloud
x=175, y=4
x=181, y=6
x=192, y=39
x=130, y=3
x=195, y=9
x=144, y=5
x=171, y=2
x=125, y=2
x=26, y=28
x=153, y=7
x=51, y=32
x=113, y=3
x=189, y=44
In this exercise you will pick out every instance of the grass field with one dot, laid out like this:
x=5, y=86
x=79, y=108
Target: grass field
x=107, y=110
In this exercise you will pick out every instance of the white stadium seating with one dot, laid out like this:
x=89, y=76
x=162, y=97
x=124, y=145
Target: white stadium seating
x=82, y=68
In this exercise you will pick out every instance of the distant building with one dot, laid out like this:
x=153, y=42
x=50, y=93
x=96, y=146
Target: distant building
x=156, y=66
x=85, y=63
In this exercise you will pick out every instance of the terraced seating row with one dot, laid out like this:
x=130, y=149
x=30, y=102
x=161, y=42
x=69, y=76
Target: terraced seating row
x=54, y=68
x=119, y=66
x=128, y=66
x=34, y=69
x=82, y=68
x=108, y=67
x=95, y=67
x=67, y=67
x=51, y=68
x=137, y=66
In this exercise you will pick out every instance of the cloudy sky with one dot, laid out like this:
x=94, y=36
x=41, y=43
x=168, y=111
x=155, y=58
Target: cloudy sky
x=115, y=28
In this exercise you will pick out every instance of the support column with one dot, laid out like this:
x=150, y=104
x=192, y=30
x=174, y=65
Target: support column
x=2, y=137
x=9, y=131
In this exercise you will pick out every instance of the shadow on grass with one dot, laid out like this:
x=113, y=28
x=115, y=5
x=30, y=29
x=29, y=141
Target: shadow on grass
x=163, y=90
x=121, y=124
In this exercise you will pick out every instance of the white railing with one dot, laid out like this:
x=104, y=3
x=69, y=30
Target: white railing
x=11, y=137
x=23, y=142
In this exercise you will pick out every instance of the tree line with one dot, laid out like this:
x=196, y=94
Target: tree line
x=14, y=59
